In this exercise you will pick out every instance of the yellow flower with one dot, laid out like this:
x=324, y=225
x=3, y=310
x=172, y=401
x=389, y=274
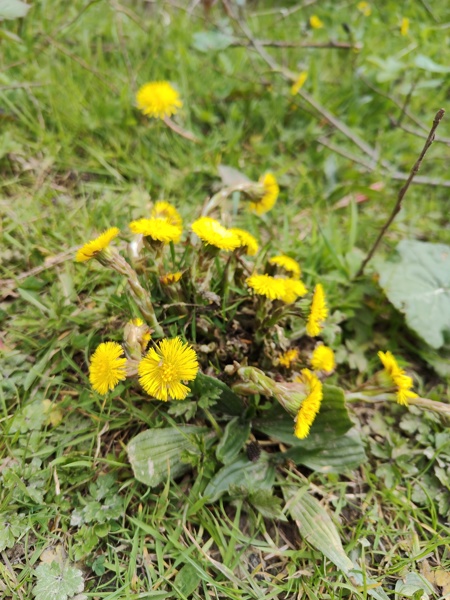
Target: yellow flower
x=170, y=278
x=107, y=367
x=315, y=22
x=94, y=247
x=322, y=359
x=288, y=264
x=158, y=99
x=402, y=381
x=157, y=229
x=293, y=288
x=145, y=331
x=164, y=367
x=164, y=210
x=248, y=242
x=364, y=8
x=213, y=233
x=288, y=357
x=318, y=312
x=269, y=197
x=265, y=285
x=404, y=26
x=299, y=82
x=310, y=405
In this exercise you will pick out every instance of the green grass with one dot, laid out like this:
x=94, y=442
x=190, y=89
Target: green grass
x=76, y=157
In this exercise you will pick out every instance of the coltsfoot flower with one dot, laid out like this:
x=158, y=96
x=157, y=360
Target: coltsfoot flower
x=310, y=405
x=170, y=278
x=164, y=210
x=158, y=99
x=318, y=312
x=248, y=242
x=322, y=359
x=107, y=367
x=293, y=289
x=288, y=264
x=315, y=22
x=287, y=358
x=299, y=82
x=94, y=248
x=403, y=382
x=164, y=367
x=269, y=195
x=213, y=233
x=159, y=230
x=268, y=286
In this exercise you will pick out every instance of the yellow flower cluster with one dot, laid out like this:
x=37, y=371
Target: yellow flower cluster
x=288, y=264
x=276, y=288
x=158, y=99
x=403, y=382
x=248, y=242
x=95, y=247
x=213, y=233
x=318, y=312
x=270, y=191
x=310, y=405
x=165, y=224
x=288, y=357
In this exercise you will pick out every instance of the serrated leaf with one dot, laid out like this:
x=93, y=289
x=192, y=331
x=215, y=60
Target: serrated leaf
x=13, y=9
x=207, y=41
x=57, y=582
x=156, y=452
x=234, y=437
x=417, y=282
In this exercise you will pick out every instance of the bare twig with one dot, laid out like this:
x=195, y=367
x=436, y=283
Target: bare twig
x=283, y=44
x=180, y=131
x=404, y=189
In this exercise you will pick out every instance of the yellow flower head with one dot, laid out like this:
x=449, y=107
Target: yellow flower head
x=288, y=264
x=322, y=359
x=213, y=233
x=364, y=8
x=164, y=210
x=403, y=382
x=107, y=367
x=269, y=196
x=158, y=99
x=265, y=285
x=164, y=367
x=170, y=278
x=315, y=22
x=248, y=242
x=157, y=229
x=310, y=405
x=94, y=247
x=404, y=26
x=288, y=357
x=293, y=288
x=299, y=82
x=318, y=312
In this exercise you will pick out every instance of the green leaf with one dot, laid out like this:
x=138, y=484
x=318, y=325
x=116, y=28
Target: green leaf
x=11, y=527
x=317, y=528
x=208, y=41
x=156, y=453
x=414, y=584
x=426, y=63
x=234, y=437
x=226, y=400
x=242, y=473
x=187, y=580
x=417, y=282
x=57, y=582
x=335, y=456
x=13, y=9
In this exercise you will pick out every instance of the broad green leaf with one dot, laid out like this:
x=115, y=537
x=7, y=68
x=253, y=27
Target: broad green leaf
x=187, y=580
x=57, y=582
x=156, y=453
x=231, y=176
x=426, y=63
x=226, y=400
x=335, y=456
x=414, y=585
x=208, y=41
x=251, y=476
x=417, y=282
x=234, y=437
x=332, y=422
x=317, y=528
x=13, y=9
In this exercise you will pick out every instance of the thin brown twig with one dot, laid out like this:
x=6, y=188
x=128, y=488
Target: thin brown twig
x=404, y=189
x=180, y=131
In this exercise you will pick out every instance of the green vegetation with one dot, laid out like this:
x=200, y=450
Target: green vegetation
x=77, y=157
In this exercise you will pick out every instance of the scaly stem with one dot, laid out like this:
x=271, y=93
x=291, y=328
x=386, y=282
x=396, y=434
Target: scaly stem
x=426, y=403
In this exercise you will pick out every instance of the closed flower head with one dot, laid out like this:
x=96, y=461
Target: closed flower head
x=94, y=248
x=288, y=264
x=158, y=99
x=163, y=369
x=322, y=359
x=170, y=278
x=287, y=358
x=318, y=312
x=107, y=367
x=310, y=405
x=268, y=286
x=159, y=230
x=248, y=242
x=213, y=233
x=269, y=194
x=164, y=210
x=403, y=382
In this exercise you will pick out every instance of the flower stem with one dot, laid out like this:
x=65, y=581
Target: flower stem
x=425, y=403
